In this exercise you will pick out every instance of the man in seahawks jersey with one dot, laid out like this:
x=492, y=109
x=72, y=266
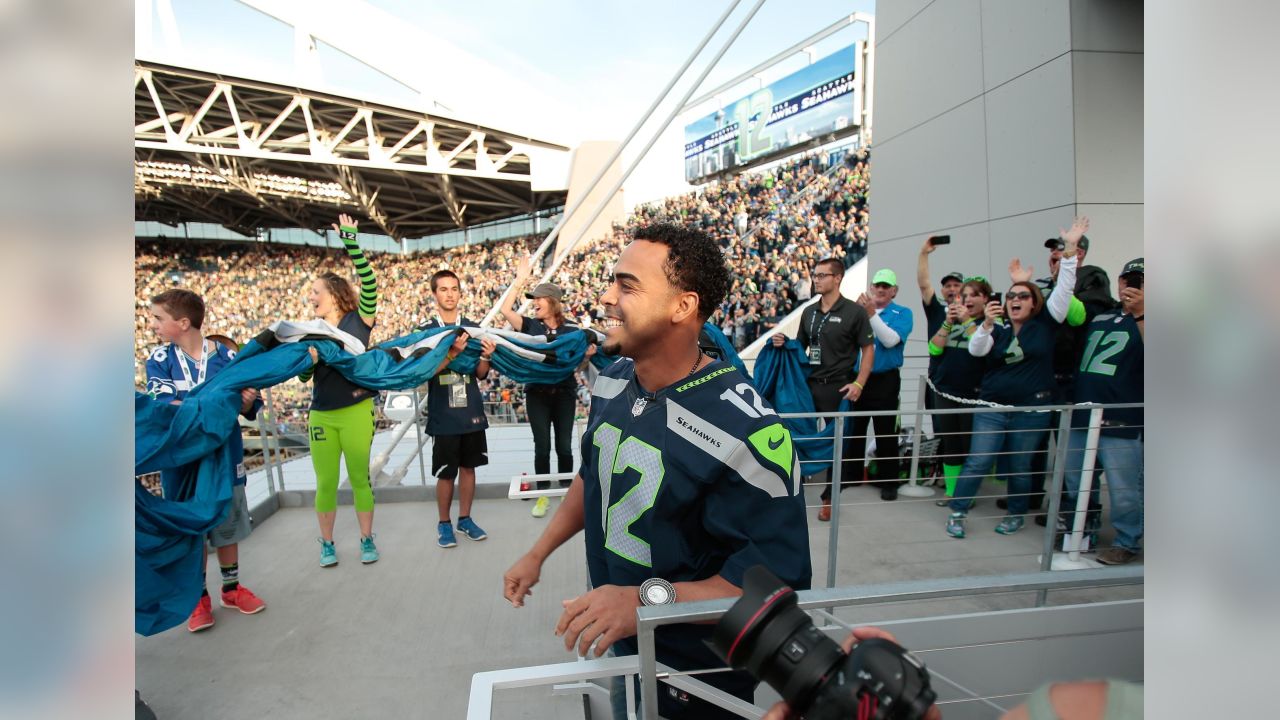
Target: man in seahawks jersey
x=186, y=359
x=1110, y=371
x=688, y=476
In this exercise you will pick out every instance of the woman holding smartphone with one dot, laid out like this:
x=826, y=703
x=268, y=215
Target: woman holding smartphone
x=1017, y=340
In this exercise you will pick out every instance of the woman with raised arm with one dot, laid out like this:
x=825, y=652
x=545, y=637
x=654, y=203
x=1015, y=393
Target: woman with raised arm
x=548, y=405
x=1019, y=372
x=341, y=418
x=956, y=376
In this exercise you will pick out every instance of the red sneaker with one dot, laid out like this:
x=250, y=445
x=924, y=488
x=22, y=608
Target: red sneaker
x=243, y=599
x=202, y=617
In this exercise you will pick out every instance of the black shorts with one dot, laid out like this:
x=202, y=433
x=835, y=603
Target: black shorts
x=450, y=452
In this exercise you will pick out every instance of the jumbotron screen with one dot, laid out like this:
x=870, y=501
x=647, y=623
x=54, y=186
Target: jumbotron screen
x=817, y=101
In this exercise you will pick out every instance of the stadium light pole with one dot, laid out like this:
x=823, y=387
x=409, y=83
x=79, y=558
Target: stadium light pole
x=604, y=168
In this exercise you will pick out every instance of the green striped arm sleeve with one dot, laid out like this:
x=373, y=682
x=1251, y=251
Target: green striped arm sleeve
x=368, y=281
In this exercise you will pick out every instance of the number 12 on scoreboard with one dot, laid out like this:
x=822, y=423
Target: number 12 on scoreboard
x=752, y=139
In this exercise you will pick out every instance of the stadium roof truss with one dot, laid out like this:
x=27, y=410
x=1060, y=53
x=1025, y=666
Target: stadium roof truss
x=248, y=154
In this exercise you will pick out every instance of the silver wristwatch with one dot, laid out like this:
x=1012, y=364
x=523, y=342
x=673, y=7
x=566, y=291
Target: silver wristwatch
x=656, y=591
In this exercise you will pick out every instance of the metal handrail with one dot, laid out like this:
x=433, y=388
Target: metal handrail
x=649, y=618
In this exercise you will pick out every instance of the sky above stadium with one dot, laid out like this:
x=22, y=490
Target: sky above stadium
x=561, y=70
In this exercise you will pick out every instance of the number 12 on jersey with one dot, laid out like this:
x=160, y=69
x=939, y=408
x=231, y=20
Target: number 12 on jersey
x=614, y=457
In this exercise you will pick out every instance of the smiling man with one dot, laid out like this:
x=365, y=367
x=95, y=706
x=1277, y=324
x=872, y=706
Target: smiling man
x=688, y=476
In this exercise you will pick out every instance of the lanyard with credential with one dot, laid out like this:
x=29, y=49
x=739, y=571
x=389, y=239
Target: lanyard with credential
x=812, y=318
x=201, y=367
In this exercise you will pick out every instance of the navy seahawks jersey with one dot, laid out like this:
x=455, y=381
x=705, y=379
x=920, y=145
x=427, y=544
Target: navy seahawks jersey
x=454, y=403
x=1020, y=366
x=935, y=313
x=958, y=373
x=1110, y=371
x=696, y=480
x=167, y=382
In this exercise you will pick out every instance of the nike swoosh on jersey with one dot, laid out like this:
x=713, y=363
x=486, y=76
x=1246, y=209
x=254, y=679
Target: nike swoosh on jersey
x=775, y=444
x=722, y=446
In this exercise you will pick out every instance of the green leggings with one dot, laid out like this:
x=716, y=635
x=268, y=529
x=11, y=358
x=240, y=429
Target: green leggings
x=346, y=431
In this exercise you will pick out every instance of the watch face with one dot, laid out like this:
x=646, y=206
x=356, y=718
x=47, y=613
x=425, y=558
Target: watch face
x=657, y=595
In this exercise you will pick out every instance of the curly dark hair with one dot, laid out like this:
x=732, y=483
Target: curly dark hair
x=694, y=263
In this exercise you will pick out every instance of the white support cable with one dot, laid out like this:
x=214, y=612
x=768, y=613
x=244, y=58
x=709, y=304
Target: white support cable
x=649, y=145
x=799, y=47
x=617, y=153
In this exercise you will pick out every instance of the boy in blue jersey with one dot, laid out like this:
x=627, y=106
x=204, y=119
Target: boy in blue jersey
x=688, y=477
x=455, y=418
x=185, y=360
x=1111, y=371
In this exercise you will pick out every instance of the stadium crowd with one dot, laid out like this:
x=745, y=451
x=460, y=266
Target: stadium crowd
x=773, y=225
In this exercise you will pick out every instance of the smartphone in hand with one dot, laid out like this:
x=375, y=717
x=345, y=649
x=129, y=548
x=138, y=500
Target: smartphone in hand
x=937, y=240
x=997, y=297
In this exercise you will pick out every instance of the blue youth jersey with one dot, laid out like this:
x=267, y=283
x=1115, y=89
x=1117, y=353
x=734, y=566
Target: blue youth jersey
x=1110, y=371
x=697, y=480
x=167, y=382
x=454, y=404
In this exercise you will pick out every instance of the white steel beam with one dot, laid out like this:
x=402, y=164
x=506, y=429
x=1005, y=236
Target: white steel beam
x=799, y=47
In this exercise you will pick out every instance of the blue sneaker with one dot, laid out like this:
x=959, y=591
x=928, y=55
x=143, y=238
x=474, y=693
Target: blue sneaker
x=328, y=553
x=1010, y=524
x=368, y=551
x=445, y=531
x=468, y=527
x=955, y=525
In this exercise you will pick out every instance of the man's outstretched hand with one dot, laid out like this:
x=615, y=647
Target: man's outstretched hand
x=518, y=582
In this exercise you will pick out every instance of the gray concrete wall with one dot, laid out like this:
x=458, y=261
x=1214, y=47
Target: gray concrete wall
x=997, y=121
x=587, y=160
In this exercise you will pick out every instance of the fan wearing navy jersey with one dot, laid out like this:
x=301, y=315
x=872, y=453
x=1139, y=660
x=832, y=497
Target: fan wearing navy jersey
x=455, y=418
x=957, y=376
x=185, y=360
x=1019, y=372
x=341, y=417
x=935, y=306
x=688, y=476
x=1110, y=371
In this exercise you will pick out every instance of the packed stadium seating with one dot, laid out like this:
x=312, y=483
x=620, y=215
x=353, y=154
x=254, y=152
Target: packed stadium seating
x=773, y=225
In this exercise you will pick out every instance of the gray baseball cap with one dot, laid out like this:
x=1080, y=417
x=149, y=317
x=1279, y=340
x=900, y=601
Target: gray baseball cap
x=550, y=290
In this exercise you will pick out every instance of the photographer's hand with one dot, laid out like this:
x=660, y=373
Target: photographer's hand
x=607, y=613
x=780, y=711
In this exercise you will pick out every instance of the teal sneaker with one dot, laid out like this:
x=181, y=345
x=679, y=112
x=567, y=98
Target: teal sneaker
x=1010, y=524
x=468, y=527
x=445, y=538
x=328, y=553
x=955, y=525
x=368, y=551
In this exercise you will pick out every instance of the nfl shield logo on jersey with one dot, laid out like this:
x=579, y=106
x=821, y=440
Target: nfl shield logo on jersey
x=638, y=407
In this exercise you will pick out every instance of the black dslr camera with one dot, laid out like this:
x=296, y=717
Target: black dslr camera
x=765, y=634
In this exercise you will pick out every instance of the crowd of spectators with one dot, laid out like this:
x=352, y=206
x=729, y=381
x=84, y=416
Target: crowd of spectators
x=774, y=224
